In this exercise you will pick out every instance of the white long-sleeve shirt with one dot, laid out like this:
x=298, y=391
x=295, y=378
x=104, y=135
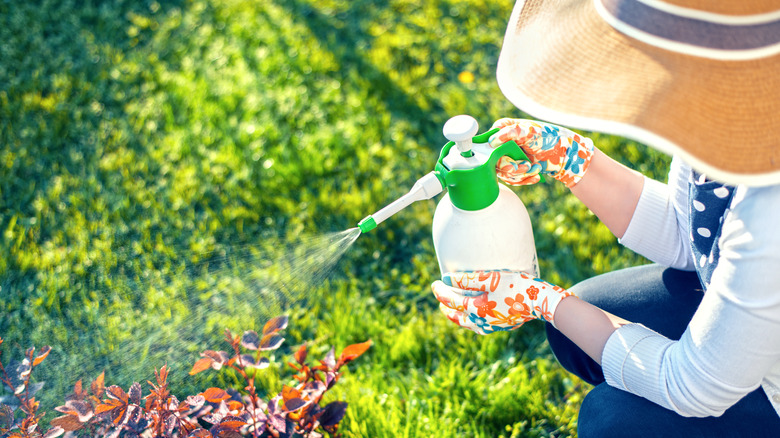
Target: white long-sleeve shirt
x=732, y=344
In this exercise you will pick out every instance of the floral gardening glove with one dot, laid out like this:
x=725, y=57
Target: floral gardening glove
x=552, y=150
x=491, y=301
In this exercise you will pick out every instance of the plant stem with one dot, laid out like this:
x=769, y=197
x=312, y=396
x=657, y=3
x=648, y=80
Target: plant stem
x=250, y=381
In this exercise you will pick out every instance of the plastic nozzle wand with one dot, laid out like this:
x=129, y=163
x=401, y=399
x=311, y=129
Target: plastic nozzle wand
x=425, y=188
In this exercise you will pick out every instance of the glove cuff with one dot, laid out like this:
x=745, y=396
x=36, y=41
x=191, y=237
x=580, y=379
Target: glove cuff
x=578, y=158
x=545, y=299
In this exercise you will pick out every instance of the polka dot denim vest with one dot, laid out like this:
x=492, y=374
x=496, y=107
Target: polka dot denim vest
x=709, y=205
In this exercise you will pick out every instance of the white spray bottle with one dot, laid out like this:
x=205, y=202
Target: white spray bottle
x=479, y=224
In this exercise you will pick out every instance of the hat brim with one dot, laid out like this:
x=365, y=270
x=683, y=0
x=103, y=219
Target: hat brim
x=562, y=63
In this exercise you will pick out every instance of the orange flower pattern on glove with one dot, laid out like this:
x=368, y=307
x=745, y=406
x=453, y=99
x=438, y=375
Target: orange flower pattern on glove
x=490, y=301
x=551, y=150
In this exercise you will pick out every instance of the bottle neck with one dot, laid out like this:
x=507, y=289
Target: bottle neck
x=471, y=181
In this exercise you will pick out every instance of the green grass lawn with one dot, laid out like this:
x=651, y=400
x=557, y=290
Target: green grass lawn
x=138, y=139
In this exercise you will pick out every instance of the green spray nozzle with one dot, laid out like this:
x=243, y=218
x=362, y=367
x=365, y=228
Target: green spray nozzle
x=367, y=224
x=468, y=172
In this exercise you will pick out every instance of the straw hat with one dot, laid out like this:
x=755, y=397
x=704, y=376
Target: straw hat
x=696, y=78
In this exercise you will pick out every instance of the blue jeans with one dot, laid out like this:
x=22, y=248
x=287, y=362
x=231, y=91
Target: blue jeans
x=663, y=300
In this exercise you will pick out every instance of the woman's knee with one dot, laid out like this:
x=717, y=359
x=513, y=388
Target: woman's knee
x=609, y=412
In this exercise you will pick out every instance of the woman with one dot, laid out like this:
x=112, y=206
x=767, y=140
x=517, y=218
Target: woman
x=690, y=345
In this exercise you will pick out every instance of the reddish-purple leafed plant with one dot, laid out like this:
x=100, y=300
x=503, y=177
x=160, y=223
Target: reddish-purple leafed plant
x=16, y=377
x=113, y=412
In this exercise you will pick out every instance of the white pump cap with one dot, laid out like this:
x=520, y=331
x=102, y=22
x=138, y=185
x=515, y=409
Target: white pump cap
x=460, y=129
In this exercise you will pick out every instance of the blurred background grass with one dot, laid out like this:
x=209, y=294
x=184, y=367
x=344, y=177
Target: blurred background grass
x=136, y=136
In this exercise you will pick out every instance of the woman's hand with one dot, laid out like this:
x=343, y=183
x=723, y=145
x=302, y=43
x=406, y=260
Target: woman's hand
x=490, y=301
x=552, y=150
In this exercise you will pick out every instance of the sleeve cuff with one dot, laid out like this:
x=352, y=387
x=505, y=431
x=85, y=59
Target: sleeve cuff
x=632, y=360
x=653, y=231
x=653, y=200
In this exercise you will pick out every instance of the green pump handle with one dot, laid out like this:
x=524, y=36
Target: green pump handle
x=476, y=188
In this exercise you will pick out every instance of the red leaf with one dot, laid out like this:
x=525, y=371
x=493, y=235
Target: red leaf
x=218, y=358
x=294, y=404
x=42, y=355
x=288, y=392
x=162, y=376
x=200, y=433
x=115, y=404
x=234, y=405
x=104, y=407
x=246, y=360
x=82, y=411
x=117, y=393
x=271, y=342
x=135, y=393
x=67, y=422
x=275, y=324
x=354, y=351
x=78, y=392
x=333, y=413
x=65, y=409
x=250, y=340
x=98, y=386
x=215, y=395
x=232, y=422
x=201, y=365
x=300, y=355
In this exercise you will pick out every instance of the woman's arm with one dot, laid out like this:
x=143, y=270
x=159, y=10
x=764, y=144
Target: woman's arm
x=586, y=325
x=611, y=191
x=649, y=217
